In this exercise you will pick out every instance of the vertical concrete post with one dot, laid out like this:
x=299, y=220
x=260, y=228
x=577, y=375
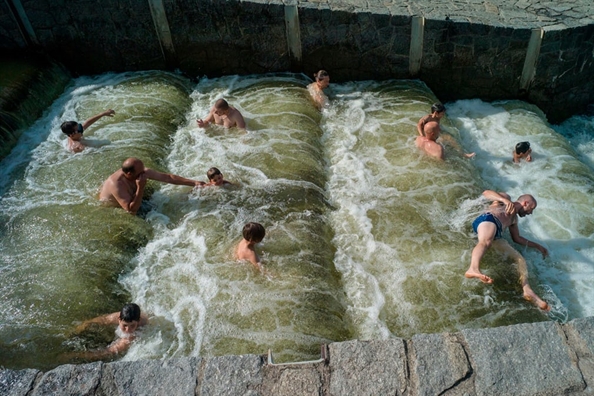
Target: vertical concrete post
x=293, y=33
x=22, y=21
x=532, y=54
x=415, y=57
x=163, y=32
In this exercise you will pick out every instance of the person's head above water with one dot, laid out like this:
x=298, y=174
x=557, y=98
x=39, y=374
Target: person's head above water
x=132, y=167
x=71, y=127
x=322, y=78
x=522, y=147
x=221, y=107
x=522, y=150
x=253, y=232
x=438, y=109
x=129, y=318
x=215, y=176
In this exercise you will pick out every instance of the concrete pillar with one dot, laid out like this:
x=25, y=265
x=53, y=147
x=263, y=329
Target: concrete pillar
x=163, y=32
x=19, y=15
x=415, y=58
x=532, y=54
x=293, y=33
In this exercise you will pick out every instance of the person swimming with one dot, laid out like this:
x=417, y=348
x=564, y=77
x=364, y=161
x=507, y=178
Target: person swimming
x=522, y=151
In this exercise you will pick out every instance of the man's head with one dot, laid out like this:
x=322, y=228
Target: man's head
x=322, y=78
x=72, y=129
x=129, y=318
x=215, y=176
x=438, y=110
x=132, y=168
x=528, y=203
x=432, y=130
x=221, y=107
x=253, y=232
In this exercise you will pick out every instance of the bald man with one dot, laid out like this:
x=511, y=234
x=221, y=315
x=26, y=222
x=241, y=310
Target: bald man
x=125, y=187
x=428, y=142
x=223, y=114
x=502, y=214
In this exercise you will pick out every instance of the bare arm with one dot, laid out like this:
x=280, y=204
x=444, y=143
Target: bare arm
x=103, y=320
x=130, y=203
x=238, y=118
x=452, y=142
x=520, y=240
x=421, y=126
x=92, y=120
x=203, y=123
x=500, y=197
x=171, y=178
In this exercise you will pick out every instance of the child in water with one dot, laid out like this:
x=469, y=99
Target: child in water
x=522, y=150
x=74, y=131
x=215, y=178
x=253, y=233
x=316, y=88
x=128, y=320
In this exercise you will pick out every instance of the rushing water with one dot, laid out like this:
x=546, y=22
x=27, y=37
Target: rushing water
x=366, y=237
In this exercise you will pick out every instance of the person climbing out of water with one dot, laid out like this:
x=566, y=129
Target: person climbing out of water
x=223, y=114
x=437, y=112
x=502, y=214
x=253, y=233
x=522, y=151
x=316, y=88
x=128, y=320
x=74, y=130
x=125, y=187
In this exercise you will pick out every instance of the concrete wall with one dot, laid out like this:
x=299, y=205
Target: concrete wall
x=544, y=359
x=540, y=52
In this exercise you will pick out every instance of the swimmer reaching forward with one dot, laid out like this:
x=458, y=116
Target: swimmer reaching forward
x=223, y=114
x=502, y=214
x=128, y=320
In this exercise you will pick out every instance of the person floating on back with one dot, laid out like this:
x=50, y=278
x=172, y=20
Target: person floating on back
x=316, y=88
x=502, y=214
x=125, y=187
x=128, y=320
x=253, y=233
x=522, y=151
x=429, y=131
x=74, y=130
x=223, y=114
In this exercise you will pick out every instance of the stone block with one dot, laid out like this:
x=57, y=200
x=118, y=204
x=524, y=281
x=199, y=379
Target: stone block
x=289, y=380
x=525, y=359
x=438, y=364
x=17, y=382
x=580, y=335
x=173, y=377
x=231, y=375
x=368, y=368
x=69, y=379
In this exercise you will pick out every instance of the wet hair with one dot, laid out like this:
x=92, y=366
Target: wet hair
x=522, y=147
x=253, y=232
x=437, y=107
x=212, y=172
x=130, y=313
x=221, y=104
x=71, y=127
x=320, y=75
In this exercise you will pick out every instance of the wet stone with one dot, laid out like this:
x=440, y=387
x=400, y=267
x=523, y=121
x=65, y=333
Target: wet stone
x=525, y=359
x=70, y=379
x=17, y=382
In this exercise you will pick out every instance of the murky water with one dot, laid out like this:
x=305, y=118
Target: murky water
x=366, y=237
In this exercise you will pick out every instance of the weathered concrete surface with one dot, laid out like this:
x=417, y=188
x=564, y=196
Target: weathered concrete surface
x=537, y=359
x=471, y=48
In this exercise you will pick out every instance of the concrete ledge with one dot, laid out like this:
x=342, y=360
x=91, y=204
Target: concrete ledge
x=546, y=359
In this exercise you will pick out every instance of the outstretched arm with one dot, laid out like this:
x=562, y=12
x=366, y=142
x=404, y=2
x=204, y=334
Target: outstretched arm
x=452, y=142
x=103, y=320
x=520, y=240
x=92, y=120
x=171, y=178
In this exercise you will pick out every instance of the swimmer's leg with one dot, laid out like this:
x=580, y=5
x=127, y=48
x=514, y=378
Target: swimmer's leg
x=529, y=294
x=486, y=233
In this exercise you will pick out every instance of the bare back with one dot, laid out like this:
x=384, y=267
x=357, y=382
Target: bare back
x=116, y=187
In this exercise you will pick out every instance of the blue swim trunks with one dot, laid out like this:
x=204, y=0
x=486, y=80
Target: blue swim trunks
x=488, y=217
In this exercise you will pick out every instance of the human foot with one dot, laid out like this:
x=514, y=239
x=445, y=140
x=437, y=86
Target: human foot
x=482, y=277
x=529, y=295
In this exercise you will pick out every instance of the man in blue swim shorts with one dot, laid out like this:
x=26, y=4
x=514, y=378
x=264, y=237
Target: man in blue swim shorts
x=502, y=214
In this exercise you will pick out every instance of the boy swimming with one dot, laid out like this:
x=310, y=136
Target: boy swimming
x=253, y=233
x=522, y=151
